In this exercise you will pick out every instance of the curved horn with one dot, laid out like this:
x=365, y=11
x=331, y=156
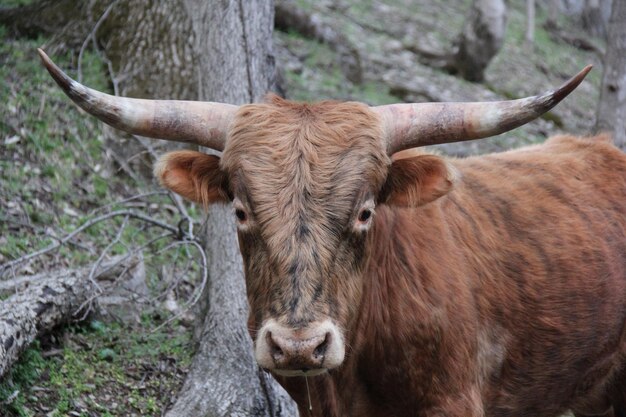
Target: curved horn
x=420, y=124
x=202, y=123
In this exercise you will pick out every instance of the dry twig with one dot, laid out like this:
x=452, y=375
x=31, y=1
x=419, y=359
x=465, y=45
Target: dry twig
x=131, y=214
x=198, y=291
x=92, y=37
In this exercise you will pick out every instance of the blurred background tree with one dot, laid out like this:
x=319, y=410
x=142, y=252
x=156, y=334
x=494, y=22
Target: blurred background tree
x=594, y=17
x=611, y=116
x=481, y=39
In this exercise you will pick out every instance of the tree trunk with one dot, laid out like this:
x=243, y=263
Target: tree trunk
x=554, y=7
x=481, y=39
x=611, y=114
x=530, y=22
x=150, y=49
x=592, y=19
x=237, y=67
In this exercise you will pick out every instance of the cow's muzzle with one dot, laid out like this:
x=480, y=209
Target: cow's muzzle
x=305, y=351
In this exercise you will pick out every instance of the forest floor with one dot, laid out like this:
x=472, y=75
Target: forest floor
x=56, y=174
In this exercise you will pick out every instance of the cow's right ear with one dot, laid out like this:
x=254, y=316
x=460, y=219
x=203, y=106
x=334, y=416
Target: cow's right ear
x=194, y=175
x=415, y=179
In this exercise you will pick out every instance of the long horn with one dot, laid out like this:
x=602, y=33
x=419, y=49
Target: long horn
x=202, y=123
x=412, y=125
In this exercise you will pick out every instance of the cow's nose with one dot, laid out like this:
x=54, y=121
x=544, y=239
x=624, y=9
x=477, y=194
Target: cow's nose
x=298, y=353
x=287, y=351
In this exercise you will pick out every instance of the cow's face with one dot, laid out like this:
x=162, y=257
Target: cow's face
x=304, y=182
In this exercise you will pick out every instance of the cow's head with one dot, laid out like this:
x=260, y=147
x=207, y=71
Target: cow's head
x=304, y=181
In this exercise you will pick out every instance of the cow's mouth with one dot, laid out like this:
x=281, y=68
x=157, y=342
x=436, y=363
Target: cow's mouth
x=299, y=372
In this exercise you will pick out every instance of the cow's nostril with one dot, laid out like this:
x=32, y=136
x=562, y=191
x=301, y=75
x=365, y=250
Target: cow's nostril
x=320, y=350
x=275, y=351
x=307, y=350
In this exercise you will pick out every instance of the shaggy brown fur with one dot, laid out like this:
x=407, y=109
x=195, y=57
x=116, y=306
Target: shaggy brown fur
x=489, y=286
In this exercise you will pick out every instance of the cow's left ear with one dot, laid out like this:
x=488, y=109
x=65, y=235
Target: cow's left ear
x=194, y=175
x=413, y=181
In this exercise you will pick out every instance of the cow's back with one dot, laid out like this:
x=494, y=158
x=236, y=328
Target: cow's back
x=543, y=234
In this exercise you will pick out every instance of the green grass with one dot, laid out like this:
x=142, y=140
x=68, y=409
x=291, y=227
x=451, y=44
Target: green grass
x=556, y=57
x=54, y=144
x=19, y=379
x=53, y=164
x=14, y=3
x=54, y=177
x=116, y=359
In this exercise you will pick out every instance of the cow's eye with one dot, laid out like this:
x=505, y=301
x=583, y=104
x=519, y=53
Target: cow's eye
x=241, y=215
x=364, y=216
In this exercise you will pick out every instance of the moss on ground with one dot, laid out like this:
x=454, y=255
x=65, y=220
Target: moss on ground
x=99, y=369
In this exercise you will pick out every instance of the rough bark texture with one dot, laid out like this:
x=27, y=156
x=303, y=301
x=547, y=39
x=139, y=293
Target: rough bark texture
x=48, y=300
x=481, y=39
x=612, y=106
x=237, y=66
x=150, y=48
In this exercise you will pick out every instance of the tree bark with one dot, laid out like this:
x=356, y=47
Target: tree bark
x=530, y=22
x=554, y=7
x=150, y=49
x=611, y=115
x=481, y=39
x=237, y=67
x=43, y=302
x=592, y=19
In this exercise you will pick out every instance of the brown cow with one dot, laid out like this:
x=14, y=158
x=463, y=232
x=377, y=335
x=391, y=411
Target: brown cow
x=402, y=283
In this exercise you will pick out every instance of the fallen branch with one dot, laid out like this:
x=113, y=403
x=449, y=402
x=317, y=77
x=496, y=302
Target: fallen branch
x=46, y=303
x=443, y=60
x=559, y=35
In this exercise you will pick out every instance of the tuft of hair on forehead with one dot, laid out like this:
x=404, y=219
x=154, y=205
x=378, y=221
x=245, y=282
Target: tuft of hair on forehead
x=324, y=123
x=311, y=147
